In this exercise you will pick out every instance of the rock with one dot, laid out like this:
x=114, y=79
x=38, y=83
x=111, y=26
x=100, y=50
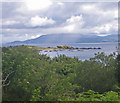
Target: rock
x=45, y=51
x=55, y=50
x=60, y=46
x=60, y=50
x=68, y=47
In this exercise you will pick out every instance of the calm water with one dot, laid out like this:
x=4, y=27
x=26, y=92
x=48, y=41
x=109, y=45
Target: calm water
x=107, y=48
x=84, y=54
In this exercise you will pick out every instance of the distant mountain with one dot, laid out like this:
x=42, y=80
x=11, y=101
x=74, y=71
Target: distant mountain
x=69, y=38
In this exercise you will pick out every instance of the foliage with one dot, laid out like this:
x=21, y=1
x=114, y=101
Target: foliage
x=34, y=77
x=95, y=96
x=118, y=69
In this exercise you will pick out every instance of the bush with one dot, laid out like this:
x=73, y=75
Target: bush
x=30, y=76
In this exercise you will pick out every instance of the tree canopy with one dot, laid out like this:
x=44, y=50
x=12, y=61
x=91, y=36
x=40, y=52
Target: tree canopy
x=29, y=76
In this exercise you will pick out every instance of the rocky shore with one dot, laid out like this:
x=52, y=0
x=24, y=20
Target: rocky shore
x=65, y=47
x=69, y=47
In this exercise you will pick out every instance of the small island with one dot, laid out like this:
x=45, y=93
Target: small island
x=62, y=47
x=69, y=47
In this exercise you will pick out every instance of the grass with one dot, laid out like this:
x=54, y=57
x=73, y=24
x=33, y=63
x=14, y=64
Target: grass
x=38, y=48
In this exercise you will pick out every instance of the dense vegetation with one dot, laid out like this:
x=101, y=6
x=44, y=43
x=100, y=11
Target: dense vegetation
x=28, y=76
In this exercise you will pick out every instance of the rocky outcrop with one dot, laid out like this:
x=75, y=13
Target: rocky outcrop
x=59, y=46
x=68, y=47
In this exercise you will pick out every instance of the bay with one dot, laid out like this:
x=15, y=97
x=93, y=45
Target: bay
x=107, y=48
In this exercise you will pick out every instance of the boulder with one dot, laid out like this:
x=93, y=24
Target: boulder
x=59, y=46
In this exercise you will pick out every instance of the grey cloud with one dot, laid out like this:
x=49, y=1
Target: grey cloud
x=100, y=15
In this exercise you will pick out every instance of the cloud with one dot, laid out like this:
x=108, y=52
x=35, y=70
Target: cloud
x=69, y=28
x=98, y=13
x=74, y=19
x=88, y=7
x=109, y=28
x=73, y=23
x=9, y=35
x=77, y=20
x=10, y=22
x=60, y=3
x=37, y=5
x=39, y=21
x=28, y=6
x=35, y=36
x=29, y=19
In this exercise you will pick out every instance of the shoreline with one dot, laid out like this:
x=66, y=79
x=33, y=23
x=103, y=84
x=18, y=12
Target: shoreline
x=63, y=47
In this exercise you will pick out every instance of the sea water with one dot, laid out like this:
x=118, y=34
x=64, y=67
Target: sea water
x=107, y=48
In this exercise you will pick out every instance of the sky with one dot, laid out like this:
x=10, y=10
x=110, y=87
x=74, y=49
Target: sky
x=32, y=18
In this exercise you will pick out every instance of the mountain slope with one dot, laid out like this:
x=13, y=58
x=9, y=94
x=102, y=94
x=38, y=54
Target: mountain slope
x=69, y=38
